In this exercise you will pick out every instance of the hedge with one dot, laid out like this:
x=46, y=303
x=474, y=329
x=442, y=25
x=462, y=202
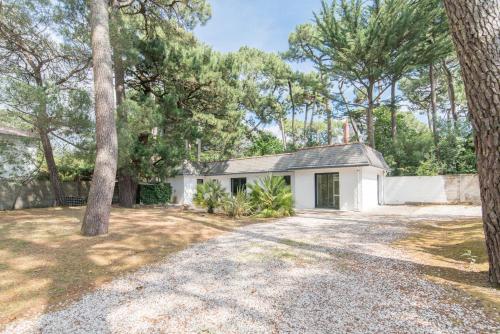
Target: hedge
x=158, y=193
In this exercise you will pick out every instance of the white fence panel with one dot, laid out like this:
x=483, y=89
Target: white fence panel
x=441, y=189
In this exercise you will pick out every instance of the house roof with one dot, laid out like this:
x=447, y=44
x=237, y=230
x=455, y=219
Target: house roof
x=16, y=132
x=333, y=156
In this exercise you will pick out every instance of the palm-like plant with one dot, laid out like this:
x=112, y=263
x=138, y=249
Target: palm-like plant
x=271, y=197
x=210, y=195
x=237, y=205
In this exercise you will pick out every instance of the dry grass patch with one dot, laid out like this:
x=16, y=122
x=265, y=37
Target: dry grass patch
x=454, y=252
x=45, y=262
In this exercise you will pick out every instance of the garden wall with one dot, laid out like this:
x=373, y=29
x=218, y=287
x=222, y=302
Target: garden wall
x=441, y=189
x=36, y=194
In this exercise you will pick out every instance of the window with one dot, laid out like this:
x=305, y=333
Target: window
x=328, y=190
x=199, y=181
x=238, y=184
x=287, y=179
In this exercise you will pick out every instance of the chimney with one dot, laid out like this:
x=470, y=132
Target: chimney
x=346, y=131
x=198, y=141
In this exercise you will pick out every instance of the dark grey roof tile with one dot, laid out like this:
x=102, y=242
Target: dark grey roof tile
x=316, y=157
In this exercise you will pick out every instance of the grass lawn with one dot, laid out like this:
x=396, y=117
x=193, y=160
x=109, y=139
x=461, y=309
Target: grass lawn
x=45, y=262
x=438, y=247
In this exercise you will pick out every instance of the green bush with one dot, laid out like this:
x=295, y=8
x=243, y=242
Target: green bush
x=271, y=197
x=159, y=193
x=210, y=195
x=238, y=205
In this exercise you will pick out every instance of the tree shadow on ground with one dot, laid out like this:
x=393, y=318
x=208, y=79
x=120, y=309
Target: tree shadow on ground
x=45, y=262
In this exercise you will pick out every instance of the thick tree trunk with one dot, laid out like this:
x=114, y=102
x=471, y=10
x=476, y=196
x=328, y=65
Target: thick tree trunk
x=394, y=110
x=127, y=183
x=432, y=80
x=127, y=189
x=55, y=180
x=369, y=116
x=96, y=218
x=451, y=92
x=475, y=29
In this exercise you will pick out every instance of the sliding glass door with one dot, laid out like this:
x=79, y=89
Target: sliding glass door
x=327, y=191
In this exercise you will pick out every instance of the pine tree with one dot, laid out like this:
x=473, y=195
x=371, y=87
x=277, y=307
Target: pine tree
x=475, y=26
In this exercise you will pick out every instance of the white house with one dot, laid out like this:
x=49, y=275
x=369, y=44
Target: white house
x=18, y=149
x=342, y=177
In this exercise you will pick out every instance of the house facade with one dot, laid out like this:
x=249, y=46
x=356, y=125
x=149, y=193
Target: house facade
x=338, y=177
x=18, y=150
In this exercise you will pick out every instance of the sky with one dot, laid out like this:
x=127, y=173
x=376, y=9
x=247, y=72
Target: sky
x=263, y=24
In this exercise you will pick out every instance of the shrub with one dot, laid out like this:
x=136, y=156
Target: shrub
x=159, y=193
x=210, y=195
x=238, y=205
x=271, y=197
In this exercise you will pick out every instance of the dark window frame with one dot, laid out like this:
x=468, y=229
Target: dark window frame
x=288, y=180
x=316, y=191
x=199, y=181
x=238, y=183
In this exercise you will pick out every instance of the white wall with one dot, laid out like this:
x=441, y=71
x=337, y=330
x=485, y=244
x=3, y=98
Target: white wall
x=370, y=187
x=432, y=189
x=177, y=184
x=304, y=190
x=190, y=182
x=358, y=186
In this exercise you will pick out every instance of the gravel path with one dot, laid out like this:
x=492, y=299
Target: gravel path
x=314, y=273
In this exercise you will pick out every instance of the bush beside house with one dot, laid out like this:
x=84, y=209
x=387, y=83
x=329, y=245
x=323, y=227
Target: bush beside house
x=159, y=193
x=268, y=197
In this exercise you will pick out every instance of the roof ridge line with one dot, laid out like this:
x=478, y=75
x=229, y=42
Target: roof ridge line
x=365, y=149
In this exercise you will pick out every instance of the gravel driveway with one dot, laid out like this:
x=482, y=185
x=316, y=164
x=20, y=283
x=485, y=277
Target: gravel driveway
x=318, y=272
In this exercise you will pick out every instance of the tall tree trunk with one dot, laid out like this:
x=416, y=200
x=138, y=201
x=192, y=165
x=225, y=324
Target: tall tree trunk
x=429, y=119
x=451, y=92
x=475, y=25
x=282, y=129
x=55, y=180
x=304, y=131
x=96, y=218
x=293, y=111
x=394, y=110
x=127, y=182
x=311, y=121
x=369, y=116
x=41, y=125
x=329, y=121
x=432, y=79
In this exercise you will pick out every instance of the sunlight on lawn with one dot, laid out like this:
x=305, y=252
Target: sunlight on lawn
x=44, y=261
x=454, y=252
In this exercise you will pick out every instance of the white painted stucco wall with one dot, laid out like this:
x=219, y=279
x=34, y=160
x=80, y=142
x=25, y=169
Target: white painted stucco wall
x=439, y=189
x=225, y=180
x=304, y=190
x=358, y=186
x=370, y=187
x=177, y=184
